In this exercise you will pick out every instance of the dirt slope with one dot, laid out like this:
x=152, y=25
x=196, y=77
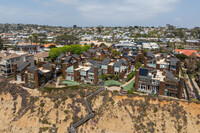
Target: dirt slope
x=21, y=112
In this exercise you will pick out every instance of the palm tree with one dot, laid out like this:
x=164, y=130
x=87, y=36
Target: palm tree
x=35, y=37
x=30, y=39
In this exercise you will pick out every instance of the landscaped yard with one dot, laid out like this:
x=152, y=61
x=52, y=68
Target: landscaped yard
x=69, y=83
x=129, y=86
x=112, y=83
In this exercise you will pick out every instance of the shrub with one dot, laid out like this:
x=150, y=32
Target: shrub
x=155, y=109
x=129, y=92
x=137, y=66
x=130, y=76
x=104, y=77
x=41, y=104
x=116, y=77
x=115, y=92
x=44, y=129
x=44, y=121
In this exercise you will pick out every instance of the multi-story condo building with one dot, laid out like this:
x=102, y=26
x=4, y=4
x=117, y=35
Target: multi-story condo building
x=8, y=59
x=161, y=82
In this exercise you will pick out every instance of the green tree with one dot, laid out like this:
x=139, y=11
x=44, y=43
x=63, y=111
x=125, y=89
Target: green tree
x=55, y=52
x=30, y=38
x=99, y=29
x=181, y=57
x=130, y=76
x=180, y=47
x=35, y=37
x=52, y=46
x=137, y=65
x=86, y=47
x=102, y=45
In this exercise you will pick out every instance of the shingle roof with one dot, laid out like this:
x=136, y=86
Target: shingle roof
x=106, y=61
x=68, y=58
x=24, y=65
x=143, y=72
x=173, y=61
x=149, y=54
x=125, y=53
x=135, y=53
x=92, y=61
x=117, y=64
x=123, y=61
x=164, y=55
x=103, y=52
x=42, y=55
x=170, y=75
x=129, y=58
x=11, y=56
x=32, y=69
x=60, y=56
x=46, y=66
x=85, y=53
x=92, y=51
x=76, y=56
x=109, y=51
x=91, y=70
x=154, y=59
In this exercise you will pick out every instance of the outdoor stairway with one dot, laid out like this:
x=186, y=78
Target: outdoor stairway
x=72, y=128
x=94, y=93
x=88, y=107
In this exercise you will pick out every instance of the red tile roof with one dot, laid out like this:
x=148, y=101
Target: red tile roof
x=187, y=52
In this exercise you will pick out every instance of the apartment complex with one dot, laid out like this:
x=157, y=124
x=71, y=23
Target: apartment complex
x=34, y=76
x=8, y=59
x=84, y=68
x=161, y=82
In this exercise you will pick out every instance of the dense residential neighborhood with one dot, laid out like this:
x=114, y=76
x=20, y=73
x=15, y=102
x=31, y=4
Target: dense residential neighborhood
x=127, y=61
x=156, y=58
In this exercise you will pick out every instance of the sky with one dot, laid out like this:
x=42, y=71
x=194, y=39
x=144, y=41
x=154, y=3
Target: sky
x=181, y=13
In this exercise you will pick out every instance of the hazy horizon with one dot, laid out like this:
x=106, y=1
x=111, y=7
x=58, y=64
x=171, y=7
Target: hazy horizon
x=108, y=13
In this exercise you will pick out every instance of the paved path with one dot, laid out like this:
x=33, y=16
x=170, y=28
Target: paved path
x=196, y=85
x=128, y=82
x=57, y=83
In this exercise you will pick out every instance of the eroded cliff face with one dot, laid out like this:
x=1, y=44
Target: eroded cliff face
x=23, y=111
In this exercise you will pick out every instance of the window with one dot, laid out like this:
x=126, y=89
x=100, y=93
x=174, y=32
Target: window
x=30, y=77
x=104, y=71
x=142, y=86
x=166, y=92
x=17, y=59
x=171, y=86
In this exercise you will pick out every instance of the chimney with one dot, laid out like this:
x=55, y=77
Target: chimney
x=26, y=78
x=51, y=69
x=180, y=89
x=95, y=75
x=15, y=71
x=76, y=75
x=145, y=62
x=36, y=78
x=136, y=79
x=163, y=73
x=162, y=88
x=63, y=71
x=158, y=66
x=178, y=65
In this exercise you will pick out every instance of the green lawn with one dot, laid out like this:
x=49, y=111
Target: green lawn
x=70, y=83
x=112, y=82
x=129, y=86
